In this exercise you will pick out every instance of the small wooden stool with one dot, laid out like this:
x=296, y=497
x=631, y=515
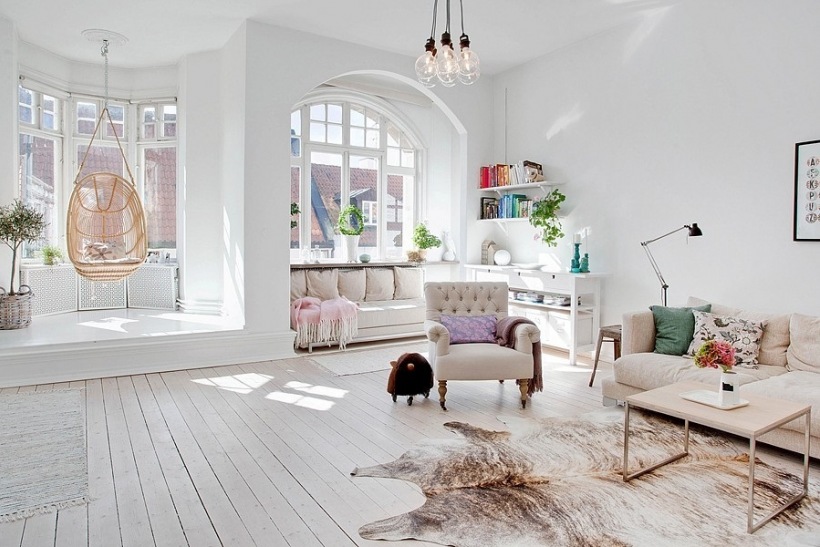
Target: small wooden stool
x=613, y=334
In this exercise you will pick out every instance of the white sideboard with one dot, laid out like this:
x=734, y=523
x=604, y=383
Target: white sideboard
x=571, y=327
x=59, y=289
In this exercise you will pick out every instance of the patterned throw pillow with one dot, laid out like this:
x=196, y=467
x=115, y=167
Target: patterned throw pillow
x=744, y=335
x=468, y=329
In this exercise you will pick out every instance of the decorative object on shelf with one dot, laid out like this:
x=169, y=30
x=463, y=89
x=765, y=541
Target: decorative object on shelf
x=544, y=216
x=444, y=65
x=294, y=212
x=486, y=258
x=502, y=257
x=19, y=223
x=351, y=225
x=807, y=191
x=575, y=266
x=449, y=254
x=694, y=231
x=585, y=263
x=51, y=255
x=364, y=258
x=423, y=239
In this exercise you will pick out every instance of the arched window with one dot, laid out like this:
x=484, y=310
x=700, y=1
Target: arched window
x=345, y=152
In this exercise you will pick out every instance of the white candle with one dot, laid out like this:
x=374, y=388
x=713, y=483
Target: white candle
x=576, y=238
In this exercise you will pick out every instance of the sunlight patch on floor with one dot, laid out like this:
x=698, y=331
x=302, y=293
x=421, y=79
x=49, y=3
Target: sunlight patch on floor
x=109, y=323
x=237, y=383
x=300, y=400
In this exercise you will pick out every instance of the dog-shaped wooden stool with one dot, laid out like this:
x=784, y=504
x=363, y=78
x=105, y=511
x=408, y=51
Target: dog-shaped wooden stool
x=411, y=375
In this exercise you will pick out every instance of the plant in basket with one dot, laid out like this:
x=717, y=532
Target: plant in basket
x=715, y=354
x=19, y=223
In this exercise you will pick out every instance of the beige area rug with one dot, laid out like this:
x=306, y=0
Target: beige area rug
x=558, y=481
x=344, y=363
x=43, y=465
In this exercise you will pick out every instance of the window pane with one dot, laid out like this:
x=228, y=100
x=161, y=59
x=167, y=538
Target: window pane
x=296, y=122
x=38, y=168
x=86, y=117
x=357, y=116
x=117, y=117
x=317, y=112
x=364, y=184
x=334, y=113
x=160, y=197
x=356, y=136
x=372, y=121
x=398, y=215
x=295, y=184
x=149, y=114
x=334, y=134
x=393, y=136
x=25, y=99
x=169, y=117
x=325, y=194
x=100, y=159
x=372, y=138
x=393, y=158
x=408, y=158
x=50, y=118
x=317, y=132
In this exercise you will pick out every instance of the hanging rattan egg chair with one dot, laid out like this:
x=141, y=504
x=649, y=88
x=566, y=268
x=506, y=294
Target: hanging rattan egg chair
x=106, y=233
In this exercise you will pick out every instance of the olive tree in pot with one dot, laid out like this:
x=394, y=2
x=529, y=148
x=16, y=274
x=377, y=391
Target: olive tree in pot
x=19, y=223
x=544, y=216
x=423, y=240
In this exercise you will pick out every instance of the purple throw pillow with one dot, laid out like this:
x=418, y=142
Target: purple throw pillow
x=468, y=329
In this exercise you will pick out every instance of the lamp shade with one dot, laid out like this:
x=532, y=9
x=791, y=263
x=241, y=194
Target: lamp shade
x=694, y=231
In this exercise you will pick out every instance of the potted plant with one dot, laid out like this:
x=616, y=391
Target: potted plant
x=294, y=211
x=19, y=223
x=51, y=255
x=544, y=216
x=351, y=225
x=422, y=240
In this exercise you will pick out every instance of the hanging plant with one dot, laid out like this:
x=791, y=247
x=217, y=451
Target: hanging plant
x=19, y=223
x=544, y=216
x=351, y=221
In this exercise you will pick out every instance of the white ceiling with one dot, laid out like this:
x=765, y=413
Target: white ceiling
x=161, y=32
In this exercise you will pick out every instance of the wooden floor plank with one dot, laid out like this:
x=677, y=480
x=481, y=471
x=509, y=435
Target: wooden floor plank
x=40, y=530
x=11, y=533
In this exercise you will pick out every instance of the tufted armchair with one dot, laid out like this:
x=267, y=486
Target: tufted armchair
x=476, y=361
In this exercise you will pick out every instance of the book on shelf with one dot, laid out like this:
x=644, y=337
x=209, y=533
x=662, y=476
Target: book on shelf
x=500, y=174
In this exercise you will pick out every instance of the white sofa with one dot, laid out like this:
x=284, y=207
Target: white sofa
x=788, y=367
x=389, y=298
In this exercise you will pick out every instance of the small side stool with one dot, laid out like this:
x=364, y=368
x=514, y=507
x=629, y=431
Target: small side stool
x=613, y=334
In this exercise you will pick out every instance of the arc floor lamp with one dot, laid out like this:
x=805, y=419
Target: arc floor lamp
x=694, y=231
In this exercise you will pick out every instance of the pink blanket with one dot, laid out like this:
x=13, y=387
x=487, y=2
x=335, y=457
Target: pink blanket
x=323, y=320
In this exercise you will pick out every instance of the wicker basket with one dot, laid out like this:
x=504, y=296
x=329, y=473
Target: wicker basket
x=15, y=309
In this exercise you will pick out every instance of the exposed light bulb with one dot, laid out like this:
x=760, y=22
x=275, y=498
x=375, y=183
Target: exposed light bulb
x=426, y=69
x=446, y=62
x=468, y=63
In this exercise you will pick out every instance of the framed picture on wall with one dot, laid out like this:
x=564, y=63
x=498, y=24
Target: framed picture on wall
x=807, y=191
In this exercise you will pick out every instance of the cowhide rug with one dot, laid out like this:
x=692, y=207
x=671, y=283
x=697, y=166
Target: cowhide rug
x=559, y=482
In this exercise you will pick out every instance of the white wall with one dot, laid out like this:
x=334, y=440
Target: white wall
x=690, y=115
x=8, y=129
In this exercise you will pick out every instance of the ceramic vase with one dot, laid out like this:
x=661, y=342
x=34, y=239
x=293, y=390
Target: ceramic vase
x=729, y=389
x=352, y=247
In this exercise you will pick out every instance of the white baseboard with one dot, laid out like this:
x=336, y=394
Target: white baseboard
x=49, y=364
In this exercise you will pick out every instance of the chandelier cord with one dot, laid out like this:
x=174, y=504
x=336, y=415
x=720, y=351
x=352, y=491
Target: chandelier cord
x=104, y=53
x=461, y=3
x=448, y=17
x=435, y=12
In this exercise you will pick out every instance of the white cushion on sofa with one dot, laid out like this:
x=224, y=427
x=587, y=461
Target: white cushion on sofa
x=380, y=284
x=804, y=350
x=798, y=386
x=391, y=312
x=298, y=284
x=409, y=282
x=322, y=284
x=352, y=284
x=653, y=370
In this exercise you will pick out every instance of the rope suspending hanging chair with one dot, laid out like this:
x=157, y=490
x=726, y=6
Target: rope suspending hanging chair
x=105, y=230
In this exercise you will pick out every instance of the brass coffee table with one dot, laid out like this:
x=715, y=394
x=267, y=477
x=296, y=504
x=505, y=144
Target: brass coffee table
x=762, y=415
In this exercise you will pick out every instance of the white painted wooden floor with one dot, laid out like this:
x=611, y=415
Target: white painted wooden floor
x=261, y=454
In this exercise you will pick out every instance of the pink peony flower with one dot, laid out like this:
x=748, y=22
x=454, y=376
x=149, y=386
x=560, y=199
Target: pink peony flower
x=715, y=354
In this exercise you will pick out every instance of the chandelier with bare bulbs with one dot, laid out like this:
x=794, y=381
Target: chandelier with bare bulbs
x=444, y=65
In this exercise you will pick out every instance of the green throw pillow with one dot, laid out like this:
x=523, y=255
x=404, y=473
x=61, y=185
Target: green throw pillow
x=674, y=328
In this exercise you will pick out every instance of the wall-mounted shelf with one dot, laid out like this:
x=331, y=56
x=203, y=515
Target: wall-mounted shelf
x=512, y=187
